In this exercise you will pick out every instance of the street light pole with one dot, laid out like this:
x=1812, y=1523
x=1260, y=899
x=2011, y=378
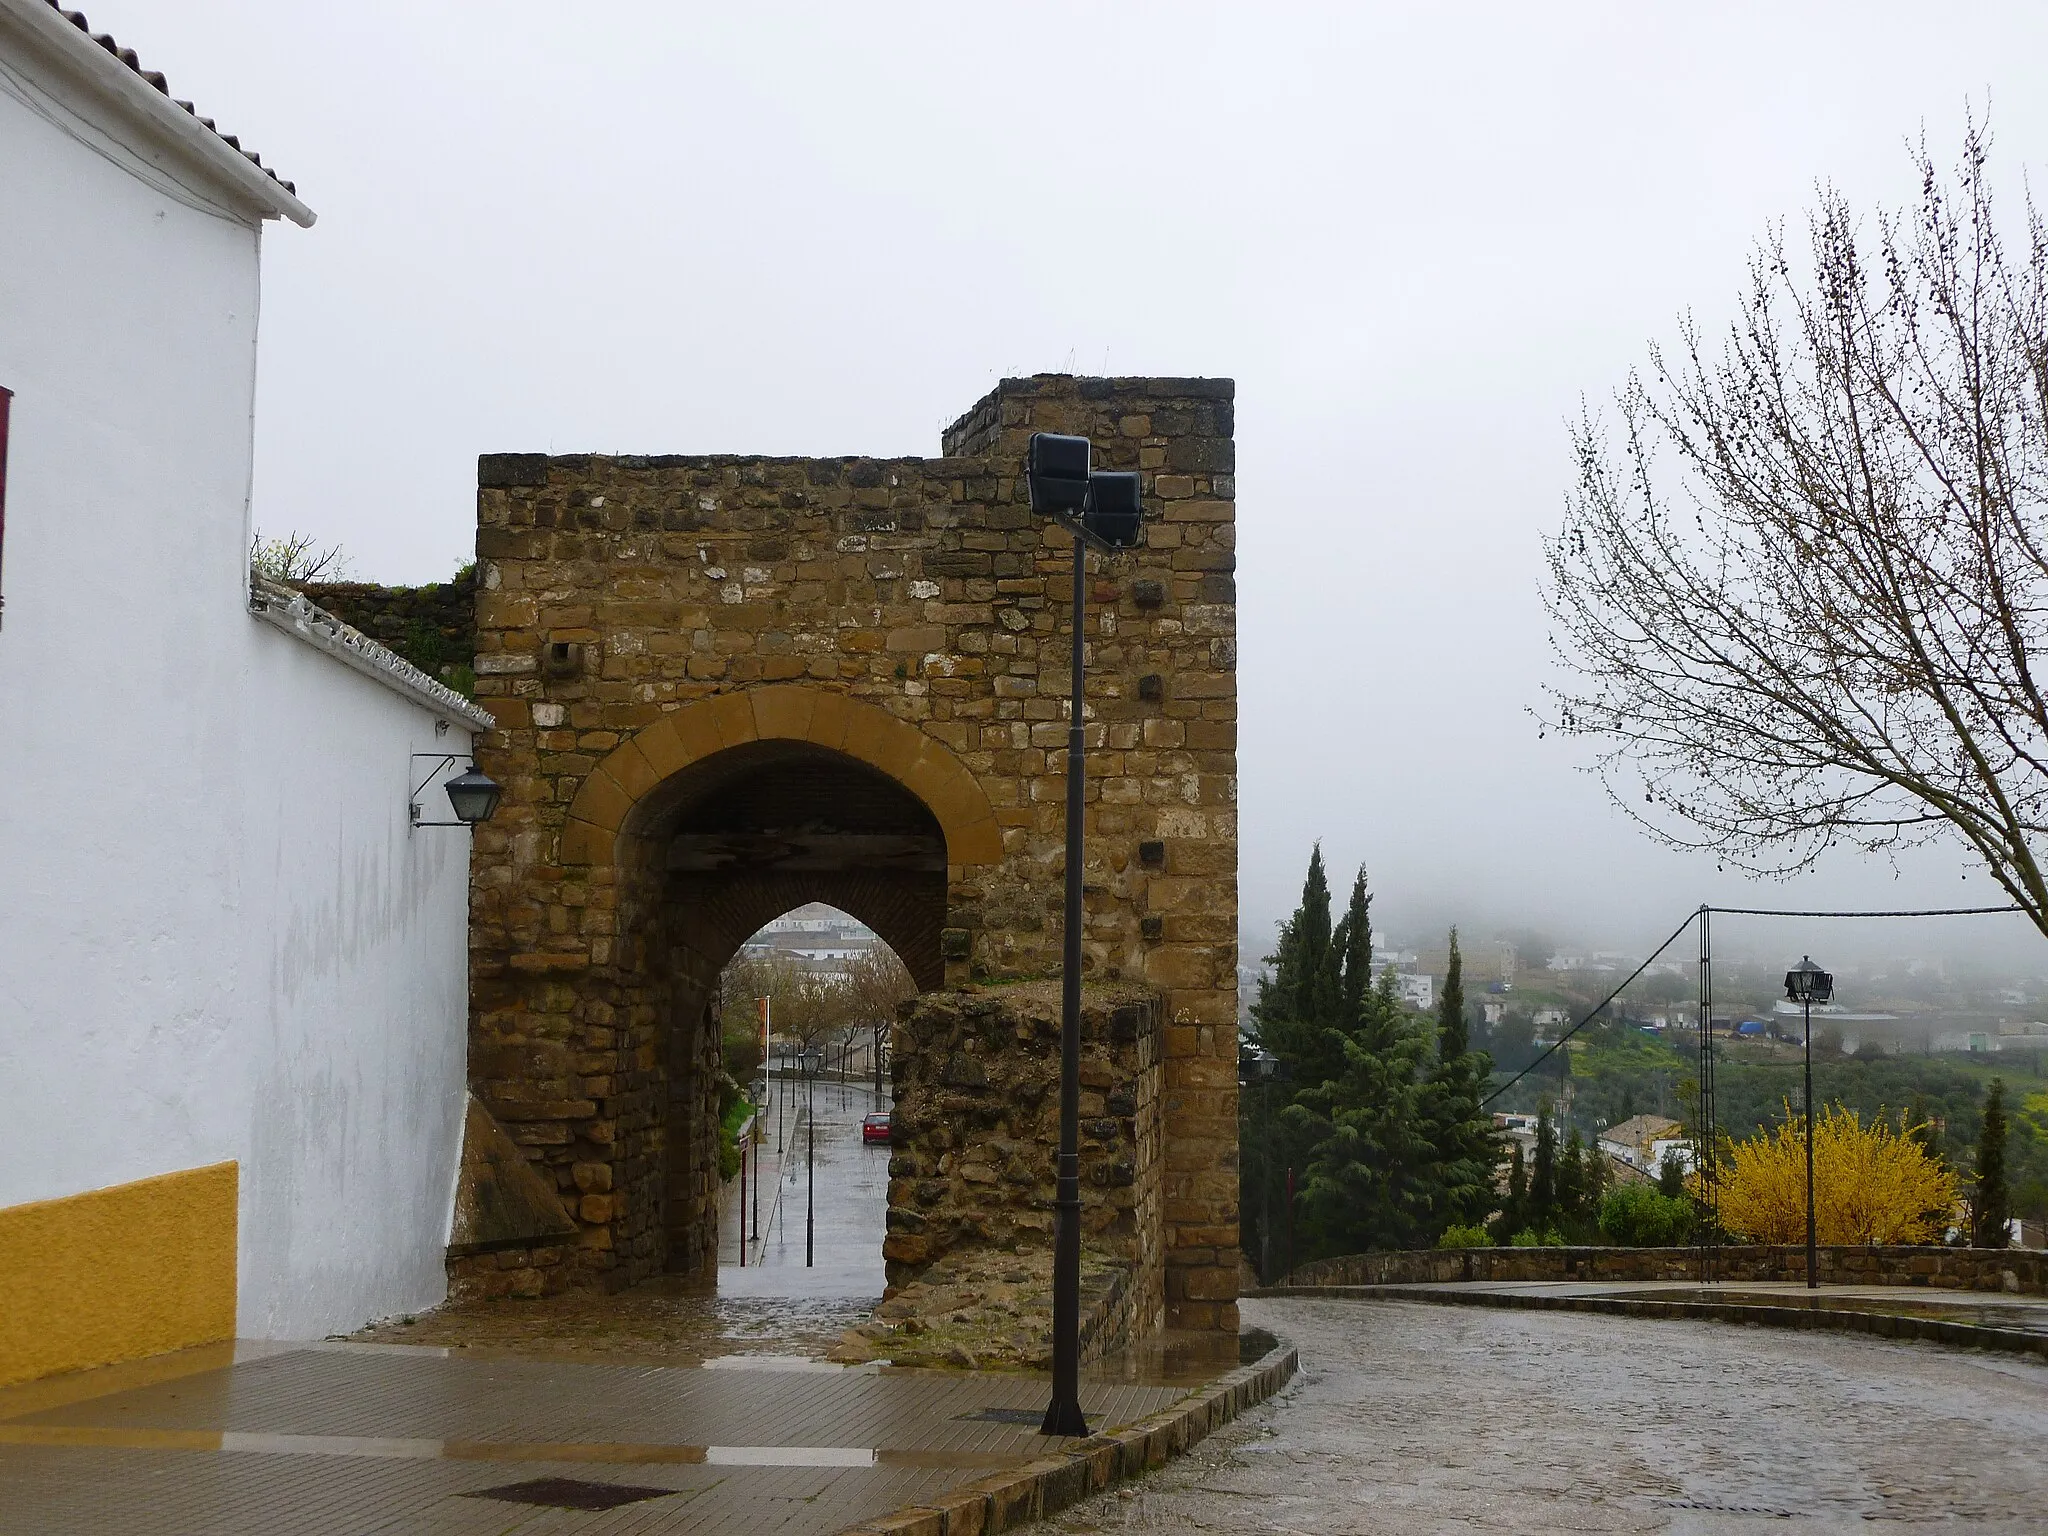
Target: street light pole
x=811, y=1164
x=1103, y=508
x=1063, y=1416
x=1807, y=984
x=1812, y=1240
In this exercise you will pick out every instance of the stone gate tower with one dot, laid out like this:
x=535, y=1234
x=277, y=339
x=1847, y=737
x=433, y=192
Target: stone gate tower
x=725, y=686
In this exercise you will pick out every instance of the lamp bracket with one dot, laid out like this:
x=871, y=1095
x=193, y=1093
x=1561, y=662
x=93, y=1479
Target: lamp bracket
x=1094, y=541
x=440, y=760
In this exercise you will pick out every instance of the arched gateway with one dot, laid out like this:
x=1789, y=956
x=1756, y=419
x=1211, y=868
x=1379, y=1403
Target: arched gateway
x=728, y=686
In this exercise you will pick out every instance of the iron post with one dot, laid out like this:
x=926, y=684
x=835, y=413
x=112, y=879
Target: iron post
x=1812, y=1244
x=811, y=1163
x=1063, y=1415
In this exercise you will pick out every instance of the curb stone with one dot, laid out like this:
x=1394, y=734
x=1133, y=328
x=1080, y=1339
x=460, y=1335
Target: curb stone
x=1888, y=1325
x=1009, y=1499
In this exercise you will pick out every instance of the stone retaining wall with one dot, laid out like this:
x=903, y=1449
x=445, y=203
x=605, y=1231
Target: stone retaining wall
x=2022, y=1271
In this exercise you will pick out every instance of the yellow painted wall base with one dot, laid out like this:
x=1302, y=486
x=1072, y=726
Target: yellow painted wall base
x=115, y=1274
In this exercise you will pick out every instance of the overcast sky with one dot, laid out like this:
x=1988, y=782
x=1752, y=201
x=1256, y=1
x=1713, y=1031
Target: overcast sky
x=1415, y=235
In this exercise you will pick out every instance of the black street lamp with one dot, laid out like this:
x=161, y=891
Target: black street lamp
x=1806, y=985
x=472, y=796
x=1102, y=508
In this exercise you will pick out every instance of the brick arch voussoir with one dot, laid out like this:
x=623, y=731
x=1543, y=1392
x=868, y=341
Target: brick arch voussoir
x=604, y=803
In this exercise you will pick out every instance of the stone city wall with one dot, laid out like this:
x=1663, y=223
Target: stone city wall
x=976, y=1128
x=725, y=685
x=432, y=626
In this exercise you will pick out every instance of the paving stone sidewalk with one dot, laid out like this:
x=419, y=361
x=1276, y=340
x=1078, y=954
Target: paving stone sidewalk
x=387, y=1439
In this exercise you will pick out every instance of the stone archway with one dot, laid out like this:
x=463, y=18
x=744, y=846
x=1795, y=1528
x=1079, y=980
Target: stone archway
x=685, y=839
x=610, y=802
x=659, y=636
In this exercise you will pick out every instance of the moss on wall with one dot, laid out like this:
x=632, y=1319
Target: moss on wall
x=431, y=626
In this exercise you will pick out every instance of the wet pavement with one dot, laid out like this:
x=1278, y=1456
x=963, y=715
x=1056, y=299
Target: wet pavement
x=2007, y=1313
x=1417, y=1419
x=667, y=1407
x=774, y=1305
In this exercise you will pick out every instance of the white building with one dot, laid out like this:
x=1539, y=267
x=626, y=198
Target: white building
x=1417, y=989
x=232, y=976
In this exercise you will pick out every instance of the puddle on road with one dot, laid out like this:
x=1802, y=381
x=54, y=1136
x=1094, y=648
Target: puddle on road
x=665, y=1321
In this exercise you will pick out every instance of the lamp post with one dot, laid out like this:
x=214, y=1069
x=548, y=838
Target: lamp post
x=1102, y=508
x=811, y=1155
x=1806, y=985
x=1258, y=1066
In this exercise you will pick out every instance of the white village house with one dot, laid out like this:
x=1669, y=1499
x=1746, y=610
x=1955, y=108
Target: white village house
x=232, y=973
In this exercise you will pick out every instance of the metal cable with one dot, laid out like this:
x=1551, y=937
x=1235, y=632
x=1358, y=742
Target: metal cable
x=1924, y=912
x=1558, y=1044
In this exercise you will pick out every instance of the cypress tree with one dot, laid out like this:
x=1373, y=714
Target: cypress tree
x=1304, y=996
x=1372, y=1176
x=1371, y=1180
x=1460, y=1132
x=1543, y=1176
x=1992, y=1206
x=1516, y=1212
x=1354, y=940
x=1571, y=1182
x=1298, y=1006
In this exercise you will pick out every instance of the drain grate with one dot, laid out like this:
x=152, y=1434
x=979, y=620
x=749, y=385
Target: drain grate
x=569, y=1493
x=1765, y=1510
x=1031, y=1416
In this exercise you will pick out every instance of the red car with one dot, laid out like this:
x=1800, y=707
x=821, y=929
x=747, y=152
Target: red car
x=874, y=1129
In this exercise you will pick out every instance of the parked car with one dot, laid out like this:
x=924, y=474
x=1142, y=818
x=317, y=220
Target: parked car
x=874, y=1129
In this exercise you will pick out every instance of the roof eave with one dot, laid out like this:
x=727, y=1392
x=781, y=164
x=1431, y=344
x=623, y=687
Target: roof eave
x=130, y=93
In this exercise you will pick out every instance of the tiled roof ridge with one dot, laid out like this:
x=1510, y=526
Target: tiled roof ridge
x=155, y=77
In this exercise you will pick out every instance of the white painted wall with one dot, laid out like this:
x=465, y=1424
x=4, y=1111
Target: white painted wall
x=218, y=936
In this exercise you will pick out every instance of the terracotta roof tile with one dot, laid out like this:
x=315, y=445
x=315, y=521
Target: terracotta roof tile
x=155, y=77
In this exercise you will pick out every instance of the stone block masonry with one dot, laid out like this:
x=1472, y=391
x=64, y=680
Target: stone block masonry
x=977, y=1127
x=728, y=685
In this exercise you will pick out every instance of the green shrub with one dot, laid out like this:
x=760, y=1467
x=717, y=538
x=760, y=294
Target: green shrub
x=734, y=1110
x=1464, y=1237
x=1639, y=1216
x=1529, y=1237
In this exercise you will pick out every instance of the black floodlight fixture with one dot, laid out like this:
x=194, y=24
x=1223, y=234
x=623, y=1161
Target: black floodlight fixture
x=1056, y=471
x=1114, y=510
x=1809, y=984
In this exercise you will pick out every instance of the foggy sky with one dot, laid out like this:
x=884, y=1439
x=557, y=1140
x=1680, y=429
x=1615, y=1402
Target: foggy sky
x=1415, y=235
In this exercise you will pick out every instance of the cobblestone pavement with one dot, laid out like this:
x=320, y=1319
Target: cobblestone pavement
x=1415, y=1419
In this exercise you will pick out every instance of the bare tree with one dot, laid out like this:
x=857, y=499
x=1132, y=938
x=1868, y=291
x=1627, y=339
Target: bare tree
x=876, y=983
x=1805, y=598
x=295, y=559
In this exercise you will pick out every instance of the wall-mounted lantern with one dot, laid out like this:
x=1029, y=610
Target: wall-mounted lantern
x=471, y=795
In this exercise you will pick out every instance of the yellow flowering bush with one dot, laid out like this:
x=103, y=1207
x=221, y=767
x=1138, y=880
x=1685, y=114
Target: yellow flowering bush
x=1871, y=1184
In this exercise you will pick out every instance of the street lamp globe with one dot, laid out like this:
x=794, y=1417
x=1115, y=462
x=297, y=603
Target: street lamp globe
x=1807, y=983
